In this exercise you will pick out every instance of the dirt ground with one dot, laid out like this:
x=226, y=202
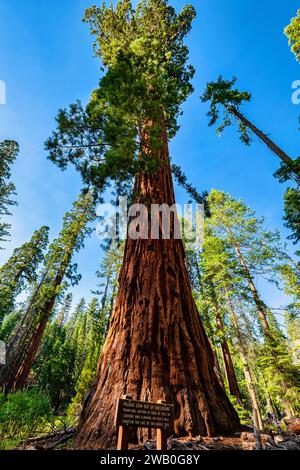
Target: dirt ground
x=241, y=441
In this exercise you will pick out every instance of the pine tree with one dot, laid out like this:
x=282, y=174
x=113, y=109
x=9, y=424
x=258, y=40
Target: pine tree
x=259, y=252
x=53, y=370
x=124, y=131
x=10, y=323
x=223, y=97
x=290, y=274
x=217, y=280
x=108, y=274
x=21, y=270
x=97, y=328
x=57, y=274
x=292, y=31
x=64, y=310
x=293, y=333
x=80, y=338
x=215, y=264
x=8, y=153
x=241, y=341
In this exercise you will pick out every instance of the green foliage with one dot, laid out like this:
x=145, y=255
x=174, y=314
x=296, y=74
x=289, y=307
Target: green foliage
x=290, y=274
x=281, y=375
x=292, y=31
x=146, y=80
x=292, y=212
x=54, y=367
x=291, y=171
x=22, y=414
x=293, y=333
x=73, y=347
x=76, y=315
x=223, y=98
x=58, y=273
x=244, y=413
x=89, y=338
x=9, y=324
x=237, y=248
x=64, y=310
x=191, y=190
x=21, y=270
x=8, y=153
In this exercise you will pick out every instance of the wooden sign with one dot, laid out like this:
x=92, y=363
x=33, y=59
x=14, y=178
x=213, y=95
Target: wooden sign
x=141, y=414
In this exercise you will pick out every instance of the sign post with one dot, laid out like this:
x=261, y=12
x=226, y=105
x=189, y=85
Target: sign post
x=142, y=414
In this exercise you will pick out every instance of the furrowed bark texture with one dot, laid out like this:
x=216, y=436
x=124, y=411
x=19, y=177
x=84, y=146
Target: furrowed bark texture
x=156, y=346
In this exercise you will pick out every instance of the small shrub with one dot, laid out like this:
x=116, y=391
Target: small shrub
x=22, y=414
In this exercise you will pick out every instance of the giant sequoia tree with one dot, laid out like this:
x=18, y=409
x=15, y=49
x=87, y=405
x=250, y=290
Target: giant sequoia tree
x=156, y=347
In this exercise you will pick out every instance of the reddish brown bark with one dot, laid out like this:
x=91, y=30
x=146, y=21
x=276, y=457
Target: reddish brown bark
x=156, y=346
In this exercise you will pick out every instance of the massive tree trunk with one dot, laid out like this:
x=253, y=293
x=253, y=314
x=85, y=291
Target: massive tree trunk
x=156, y=346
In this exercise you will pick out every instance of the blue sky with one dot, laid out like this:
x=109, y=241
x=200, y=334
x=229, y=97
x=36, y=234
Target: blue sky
x=46, y=62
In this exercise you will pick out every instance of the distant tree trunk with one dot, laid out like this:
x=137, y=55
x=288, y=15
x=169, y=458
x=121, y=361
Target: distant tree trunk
x=156, y=346
x=25, y=342
x=217, y=367
x=246, y=367
x=272, y=146
x=261, y=308
x=210, y=332
x=228, y=364
x=267, y=331
x=271, y=407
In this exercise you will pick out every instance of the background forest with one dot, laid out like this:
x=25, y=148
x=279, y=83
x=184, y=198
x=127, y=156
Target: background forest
x=58, y=282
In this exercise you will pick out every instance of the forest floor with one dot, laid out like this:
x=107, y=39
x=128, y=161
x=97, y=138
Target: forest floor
x=241, y=441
